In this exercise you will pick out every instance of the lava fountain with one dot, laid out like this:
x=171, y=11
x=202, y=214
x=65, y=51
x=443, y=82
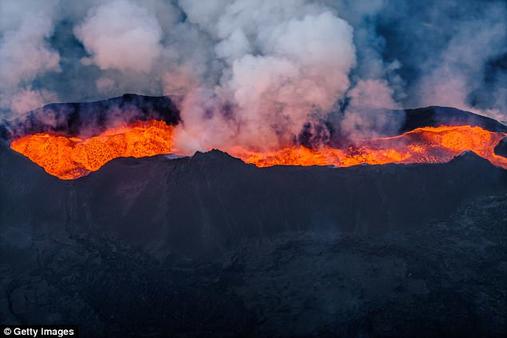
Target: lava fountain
x=73, y=157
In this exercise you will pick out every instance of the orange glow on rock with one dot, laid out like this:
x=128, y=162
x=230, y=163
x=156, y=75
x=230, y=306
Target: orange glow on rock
x=73, y=157
x=421, y=145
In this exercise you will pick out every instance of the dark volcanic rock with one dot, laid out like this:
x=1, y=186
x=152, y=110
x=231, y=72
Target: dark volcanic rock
x=501, y=148
x=391, y=123
x=210, y=246
x=202, y=204
x=446, y=116
x=87, y=118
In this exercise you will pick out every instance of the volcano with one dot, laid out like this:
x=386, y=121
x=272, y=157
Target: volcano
x=208, y=245
x=97, y=133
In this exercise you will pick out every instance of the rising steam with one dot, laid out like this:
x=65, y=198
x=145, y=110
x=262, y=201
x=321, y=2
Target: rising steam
x=255, y=73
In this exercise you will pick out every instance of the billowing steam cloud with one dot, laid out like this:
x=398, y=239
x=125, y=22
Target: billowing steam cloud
x=457, y=70
x=275, y=76
x=111, y=31
x=25, y=53
x=256, y=72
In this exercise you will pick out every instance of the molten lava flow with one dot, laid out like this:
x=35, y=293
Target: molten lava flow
x=74, y=157
x=421, y=145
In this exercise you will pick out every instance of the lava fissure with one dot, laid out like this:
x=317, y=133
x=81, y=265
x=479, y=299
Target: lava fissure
x=73, y=157
x=421, y=145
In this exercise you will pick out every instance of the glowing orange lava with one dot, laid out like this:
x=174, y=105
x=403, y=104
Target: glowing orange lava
x=421, y=145
x=73, y=157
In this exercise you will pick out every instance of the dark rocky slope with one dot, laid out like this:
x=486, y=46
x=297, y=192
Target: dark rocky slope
x=204, y=203
x=209, y=246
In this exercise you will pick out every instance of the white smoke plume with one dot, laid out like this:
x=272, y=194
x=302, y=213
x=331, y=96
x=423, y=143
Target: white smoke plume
x=276, y=59
x=363, y=119
x=456, y=72
x=25, y=53
x=255, y=72
x=121, y=35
